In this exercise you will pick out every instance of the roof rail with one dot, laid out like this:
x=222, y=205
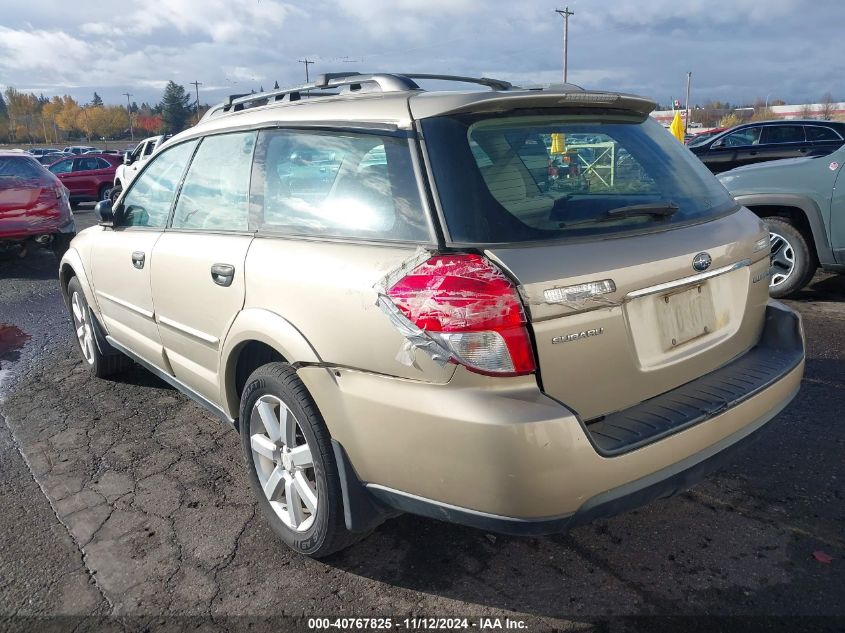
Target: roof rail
x=495, y=84
x=386, y=82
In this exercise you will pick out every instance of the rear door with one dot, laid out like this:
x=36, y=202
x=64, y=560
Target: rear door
x=783, y=141
x=121, y=259
x=85, y=176
x=207, y=244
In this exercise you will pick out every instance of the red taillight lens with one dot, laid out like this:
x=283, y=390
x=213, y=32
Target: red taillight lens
x=469, y=306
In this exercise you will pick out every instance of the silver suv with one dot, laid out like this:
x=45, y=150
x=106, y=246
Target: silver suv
x=513, y=309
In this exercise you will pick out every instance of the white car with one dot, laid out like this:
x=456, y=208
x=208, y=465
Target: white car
x=133, y=162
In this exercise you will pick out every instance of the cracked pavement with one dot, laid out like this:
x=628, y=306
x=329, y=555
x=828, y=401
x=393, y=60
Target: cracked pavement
x=123, y=503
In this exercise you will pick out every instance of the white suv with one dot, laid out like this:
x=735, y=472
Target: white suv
x=132, y=163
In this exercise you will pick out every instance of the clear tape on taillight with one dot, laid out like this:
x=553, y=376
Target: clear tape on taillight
x=460, y=308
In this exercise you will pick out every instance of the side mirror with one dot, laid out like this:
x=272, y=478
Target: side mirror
x=127, y=158
x=104, y=210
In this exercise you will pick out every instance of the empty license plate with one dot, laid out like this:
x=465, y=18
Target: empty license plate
x=685, y=315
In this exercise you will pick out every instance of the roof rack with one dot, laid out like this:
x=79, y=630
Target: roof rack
x=353, y=81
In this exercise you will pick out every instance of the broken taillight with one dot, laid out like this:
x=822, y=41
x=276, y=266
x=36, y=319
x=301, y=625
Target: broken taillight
x=472, y=309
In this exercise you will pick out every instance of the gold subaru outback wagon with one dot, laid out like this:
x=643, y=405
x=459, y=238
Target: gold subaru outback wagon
x=514, y=309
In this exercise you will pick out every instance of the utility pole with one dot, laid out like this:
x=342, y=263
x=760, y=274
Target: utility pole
x=129, y=112
x=686, y=122
x=565, y=13
x=307, y=62
x=196, y=84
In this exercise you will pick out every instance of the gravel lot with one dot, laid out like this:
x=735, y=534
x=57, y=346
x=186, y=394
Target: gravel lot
x=126, y=501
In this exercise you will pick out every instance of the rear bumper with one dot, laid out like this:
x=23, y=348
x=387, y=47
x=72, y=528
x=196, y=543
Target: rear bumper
x=503, y=457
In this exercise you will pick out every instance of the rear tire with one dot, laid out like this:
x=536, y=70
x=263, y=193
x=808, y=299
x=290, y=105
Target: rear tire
x=99, y=364
x=115, y=192
x=291, y=465
x=792, y=262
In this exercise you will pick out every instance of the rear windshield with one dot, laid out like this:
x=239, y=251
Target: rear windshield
x=19, y=167
x=556, y=176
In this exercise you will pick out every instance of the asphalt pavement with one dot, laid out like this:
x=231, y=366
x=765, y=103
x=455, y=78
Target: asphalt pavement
x=123, y=505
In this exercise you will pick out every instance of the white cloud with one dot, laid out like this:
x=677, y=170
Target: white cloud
x=737, y=49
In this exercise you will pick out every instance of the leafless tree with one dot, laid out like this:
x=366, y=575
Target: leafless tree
x=827, y=107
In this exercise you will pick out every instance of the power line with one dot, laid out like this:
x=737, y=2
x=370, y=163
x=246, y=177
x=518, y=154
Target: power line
x=197, y=84
x=565, y=13
x=129, y=113
x=307, y=62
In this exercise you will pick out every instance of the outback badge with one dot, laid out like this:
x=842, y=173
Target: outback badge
x=702, y=261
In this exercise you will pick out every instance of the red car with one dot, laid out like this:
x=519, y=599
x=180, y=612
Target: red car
x=34, y=205
x=87, y=177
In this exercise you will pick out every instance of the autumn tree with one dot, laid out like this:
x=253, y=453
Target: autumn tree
x=762, y=111
x=730, y=120
x=175, y=107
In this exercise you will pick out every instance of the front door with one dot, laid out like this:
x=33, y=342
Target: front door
x=122, y=260
x=198, y=264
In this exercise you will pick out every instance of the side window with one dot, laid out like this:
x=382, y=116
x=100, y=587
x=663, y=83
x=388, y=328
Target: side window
x=783, y=134
x=338, y=184
x=148, y=201
x=102, y=163
x=62, y=167
x=85, y=164
x=819, y=133
x=741, y=138
x=138, y=151
x=215, y=195
x=148, y=148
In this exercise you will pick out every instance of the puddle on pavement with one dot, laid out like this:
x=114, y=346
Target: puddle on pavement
x=12, y=340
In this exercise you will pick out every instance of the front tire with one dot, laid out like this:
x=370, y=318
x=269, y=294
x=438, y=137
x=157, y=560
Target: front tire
x=290, y=462
x=99, y=364
x=103, y=192
x=115, y=192
x=792, y=263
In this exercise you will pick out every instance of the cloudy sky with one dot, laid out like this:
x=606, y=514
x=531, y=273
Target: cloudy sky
x=737, y=50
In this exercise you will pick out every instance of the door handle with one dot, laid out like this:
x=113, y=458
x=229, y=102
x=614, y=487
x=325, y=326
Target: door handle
x=753, y=153
x=138, y=258
x=223, y=274
x=804, y=150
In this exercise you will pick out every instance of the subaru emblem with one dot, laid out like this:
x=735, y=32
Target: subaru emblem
x=701, y=262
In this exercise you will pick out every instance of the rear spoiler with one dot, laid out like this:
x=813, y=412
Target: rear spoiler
x=437, y=104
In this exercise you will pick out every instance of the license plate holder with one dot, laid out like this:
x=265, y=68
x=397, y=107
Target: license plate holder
x=685, y=315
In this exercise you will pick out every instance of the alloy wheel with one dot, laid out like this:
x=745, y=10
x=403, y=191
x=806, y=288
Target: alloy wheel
x=283, y=462
x=782, y=259
x=82, y=325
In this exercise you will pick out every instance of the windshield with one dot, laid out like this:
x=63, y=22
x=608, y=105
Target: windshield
x=554, y=176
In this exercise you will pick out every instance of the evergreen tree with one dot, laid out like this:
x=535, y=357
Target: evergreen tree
x=276, y=86
x=4, y=111
x=134, y=107
x=175, y=107
x=96, y=100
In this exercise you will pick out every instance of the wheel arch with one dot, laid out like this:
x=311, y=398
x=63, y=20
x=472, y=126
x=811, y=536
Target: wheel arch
x=71, y=266
x=255, y=338
x=803, y=211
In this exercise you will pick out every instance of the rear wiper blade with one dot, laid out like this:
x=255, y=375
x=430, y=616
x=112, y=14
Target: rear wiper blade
x=661, y=209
